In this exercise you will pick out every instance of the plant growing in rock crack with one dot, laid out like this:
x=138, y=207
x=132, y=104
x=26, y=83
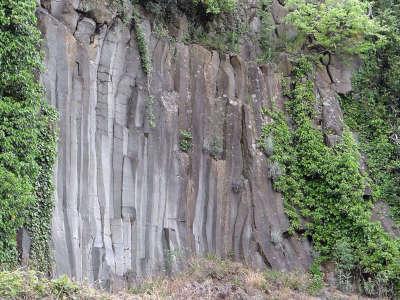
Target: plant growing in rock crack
x=145, y=59
x=172, y=256
x=267, y=145
x=224, y=39
x=268, y=44
x=215, y=147
x=149, y=111
x=185, y=140
x=276, y=237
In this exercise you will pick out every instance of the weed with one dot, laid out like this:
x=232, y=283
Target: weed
x=145, y=59
x=185, y=141
x=149, y=111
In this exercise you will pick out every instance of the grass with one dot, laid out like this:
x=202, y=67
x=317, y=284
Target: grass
x=211, y=277
x=207, y=277
x=21, y=284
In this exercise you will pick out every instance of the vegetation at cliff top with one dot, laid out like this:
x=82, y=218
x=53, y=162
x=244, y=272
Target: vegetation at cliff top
x=211, y=7
x=217, y=6
x=344, y=26
x=27, y=136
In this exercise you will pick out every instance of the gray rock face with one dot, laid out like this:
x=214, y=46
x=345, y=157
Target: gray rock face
x=129, y=203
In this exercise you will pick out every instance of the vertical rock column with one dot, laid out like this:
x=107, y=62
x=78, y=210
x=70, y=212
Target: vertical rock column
x=128, y=202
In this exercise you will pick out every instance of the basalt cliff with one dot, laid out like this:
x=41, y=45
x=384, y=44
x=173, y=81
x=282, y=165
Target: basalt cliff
x=157, y=166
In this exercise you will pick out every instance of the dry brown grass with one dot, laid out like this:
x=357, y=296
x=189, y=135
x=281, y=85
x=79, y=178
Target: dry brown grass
x=203, y=278
x=215, y=278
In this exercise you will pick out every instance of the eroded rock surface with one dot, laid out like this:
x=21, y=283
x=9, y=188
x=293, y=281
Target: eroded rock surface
x=129, y=202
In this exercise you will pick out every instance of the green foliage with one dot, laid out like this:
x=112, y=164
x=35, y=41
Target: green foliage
x=185, y=141
x=373, y=110
x=63, y=286
x=324, y=186
x=218, y=6
x=268, y=44
x=27, y=140
x=335, y=25
x=149, y=111
x=317, y=278
x=215, y=147
x=145, y=59
x=224, y=39
x=40, y=211
x=32, y=285
x=161, y=31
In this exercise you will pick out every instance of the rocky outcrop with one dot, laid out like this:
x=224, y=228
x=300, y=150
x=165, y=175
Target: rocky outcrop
x=129, y=202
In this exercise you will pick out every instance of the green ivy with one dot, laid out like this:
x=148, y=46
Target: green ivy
x=323, y=187
x=145, y=59
x=373, y=110
x=27, y=136
x=40, y=212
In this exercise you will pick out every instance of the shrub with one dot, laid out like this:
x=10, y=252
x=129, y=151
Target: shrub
x=215, y=147
x=145, y=59
x=185, y=141
x=218, y=6
x=63, y=286
x=335, y=25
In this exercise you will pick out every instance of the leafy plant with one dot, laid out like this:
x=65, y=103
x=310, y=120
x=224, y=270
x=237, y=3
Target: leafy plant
x=268, y=44
x=185, y=141
x=336, y=25
x=224, y=39
x=218, y=6
x=63, y=286
x=27, y=135
x=145, y=59
x=215, y=147
x=149, y=111
x=324, y=185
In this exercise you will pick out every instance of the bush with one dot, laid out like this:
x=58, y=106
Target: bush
x=185, y=141
x=335, y=25
x=63, y=286
x=218, y=6
x=19, y=284
x=145, y=59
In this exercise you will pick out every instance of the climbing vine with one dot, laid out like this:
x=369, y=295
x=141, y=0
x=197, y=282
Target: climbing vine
x=323, y=188
x=145, y=59
x=373, y=110
x=27, y=135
